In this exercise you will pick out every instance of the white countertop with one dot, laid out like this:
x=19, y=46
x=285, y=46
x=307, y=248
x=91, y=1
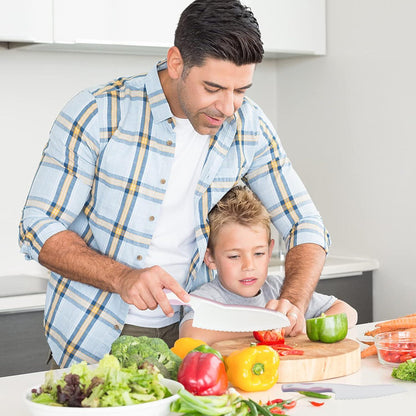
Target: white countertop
x=12, y=390
x=335, y=266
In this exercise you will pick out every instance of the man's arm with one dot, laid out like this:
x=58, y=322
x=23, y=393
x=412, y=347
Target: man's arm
x=303, y=267
x=67, y=254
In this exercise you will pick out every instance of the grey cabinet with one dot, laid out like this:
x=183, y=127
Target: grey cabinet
x=356, y=290
x=23, y=346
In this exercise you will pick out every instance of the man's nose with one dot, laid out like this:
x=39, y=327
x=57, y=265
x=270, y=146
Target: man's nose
x=227, y=104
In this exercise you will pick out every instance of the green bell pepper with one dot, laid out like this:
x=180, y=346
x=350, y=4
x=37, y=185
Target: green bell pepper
x=331, y=328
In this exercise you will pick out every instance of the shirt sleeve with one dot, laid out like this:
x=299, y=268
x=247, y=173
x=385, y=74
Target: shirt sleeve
x=319, y=304
x=275, y=181
x=62, y=184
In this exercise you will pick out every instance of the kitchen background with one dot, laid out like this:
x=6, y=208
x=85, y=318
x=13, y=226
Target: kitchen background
x=347, y=121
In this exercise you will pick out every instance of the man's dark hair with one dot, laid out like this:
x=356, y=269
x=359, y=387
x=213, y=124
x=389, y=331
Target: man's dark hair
x=221, y=29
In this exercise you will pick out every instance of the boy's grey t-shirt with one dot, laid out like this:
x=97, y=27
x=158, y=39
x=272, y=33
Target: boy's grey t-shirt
x=270, y=290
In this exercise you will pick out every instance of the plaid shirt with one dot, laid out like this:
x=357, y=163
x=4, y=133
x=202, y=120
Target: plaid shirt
x=100, y=176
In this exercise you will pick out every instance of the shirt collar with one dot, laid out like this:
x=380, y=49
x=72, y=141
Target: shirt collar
x=157, y=99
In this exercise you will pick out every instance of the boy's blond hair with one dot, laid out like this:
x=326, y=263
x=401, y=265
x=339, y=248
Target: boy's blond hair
x=239, y=205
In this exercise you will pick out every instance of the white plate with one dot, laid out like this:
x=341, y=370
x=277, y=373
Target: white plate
x=155, y=408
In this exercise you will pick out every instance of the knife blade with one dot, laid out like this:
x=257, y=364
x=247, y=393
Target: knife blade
x=346, y=391
x=209, y=314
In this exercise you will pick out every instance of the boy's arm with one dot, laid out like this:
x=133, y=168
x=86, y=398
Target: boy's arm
x=210, y=337
x=340, y=306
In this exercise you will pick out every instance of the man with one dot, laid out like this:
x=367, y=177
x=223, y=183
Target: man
x=118, y=209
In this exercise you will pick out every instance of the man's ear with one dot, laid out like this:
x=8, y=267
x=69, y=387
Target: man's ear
x=209, y=260
x=175, y=63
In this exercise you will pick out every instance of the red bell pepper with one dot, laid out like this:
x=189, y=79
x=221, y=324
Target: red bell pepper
x=271, y=337
x=203, y=374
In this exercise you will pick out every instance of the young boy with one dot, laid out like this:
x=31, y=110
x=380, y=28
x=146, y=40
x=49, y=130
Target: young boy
x=239, y=249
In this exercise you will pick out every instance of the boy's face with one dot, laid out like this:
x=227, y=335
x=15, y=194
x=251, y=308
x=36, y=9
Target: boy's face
x=241, y=257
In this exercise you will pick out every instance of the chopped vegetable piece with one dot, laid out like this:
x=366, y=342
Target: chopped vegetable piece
x=289, y=405
x=271, y=337
x=314, y=394
x=331, y=328
x=317, y=404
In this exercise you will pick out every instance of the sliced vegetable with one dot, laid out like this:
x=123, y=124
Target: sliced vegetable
x=184, y=345
x=253, y=368
x=203, y=374
x=314, y=394
x=271, y=337
x=331, y=328
x=316, y=404
x=289, y=405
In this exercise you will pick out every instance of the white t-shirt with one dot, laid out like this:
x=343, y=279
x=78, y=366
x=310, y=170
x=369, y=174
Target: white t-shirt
x=173, y=242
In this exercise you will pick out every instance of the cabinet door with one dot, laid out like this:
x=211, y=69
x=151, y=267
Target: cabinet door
x=117, y=22
x=26, y=21
x=291, y=26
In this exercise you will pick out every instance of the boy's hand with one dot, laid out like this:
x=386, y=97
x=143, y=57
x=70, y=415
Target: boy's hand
x=295, y=316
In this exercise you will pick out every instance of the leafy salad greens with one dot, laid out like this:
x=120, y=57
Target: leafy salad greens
x=405, y=371
x=106, y=385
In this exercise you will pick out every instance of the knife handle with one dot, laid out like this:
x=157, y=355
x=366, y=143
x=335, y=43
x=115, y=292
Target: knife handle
x=306, y=387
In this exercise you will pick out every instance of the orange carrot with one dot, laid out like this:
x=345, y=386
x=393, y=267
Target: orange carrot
x=371, y=350
x=405, y=322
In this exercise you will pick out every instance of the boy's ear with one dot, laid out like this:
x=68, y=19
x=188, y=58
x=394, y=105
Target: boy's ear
x=271, y=247
x=209, y=260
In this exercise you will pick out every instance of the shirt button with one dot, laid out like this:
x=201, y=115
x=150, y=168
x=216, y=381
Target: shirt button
x=163, y=181
x=169, y=142
x=139, y=257
x=151, y=218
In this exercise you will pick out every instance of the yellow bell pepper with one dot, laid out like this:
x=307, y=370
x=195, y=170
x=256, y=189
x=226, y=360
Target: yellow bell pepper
x=184, y=345
x=254, y=368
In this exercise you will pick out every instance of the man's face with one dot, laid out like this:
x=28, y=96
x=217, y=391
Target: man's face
x=211, y=93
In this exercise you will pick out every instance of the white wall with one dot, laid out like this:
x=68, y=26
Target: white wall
x=34, y=87
x=348, y=123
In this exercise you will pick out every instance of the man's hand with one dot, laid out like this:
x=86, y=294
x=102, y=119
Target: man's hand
x=67, y=253
x=297, y=320
x=144, y=289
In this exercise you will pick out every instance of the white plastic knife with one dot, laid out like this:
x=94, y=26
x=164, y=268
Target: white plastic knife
x=346, y=391
x=216, y=316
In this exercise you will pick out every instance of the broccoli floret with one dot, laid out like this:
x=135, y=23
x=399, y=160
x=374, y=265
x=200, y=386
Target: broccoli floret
x=141, y=350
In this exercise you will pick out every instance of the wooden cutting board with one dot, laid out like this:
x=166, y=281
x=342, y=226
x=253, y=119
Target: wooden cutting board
x=320, y=361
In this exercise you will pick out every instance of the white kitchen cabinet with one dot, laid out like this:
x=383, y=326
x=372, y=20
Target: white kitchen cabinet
x=117, y=24
x=291, y=27
x=26, y=21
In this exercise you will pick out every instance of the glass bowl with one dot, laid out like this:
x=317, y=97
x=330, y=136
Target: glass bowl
x=394, y=348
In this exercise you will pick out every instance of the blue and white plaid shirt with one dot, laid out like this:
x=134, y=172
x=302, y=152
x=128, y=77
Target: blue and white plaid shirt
x=100, y=176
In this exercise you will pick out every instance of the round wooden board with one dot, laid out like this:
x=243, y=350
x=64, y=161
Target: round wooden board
x=320, y=361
